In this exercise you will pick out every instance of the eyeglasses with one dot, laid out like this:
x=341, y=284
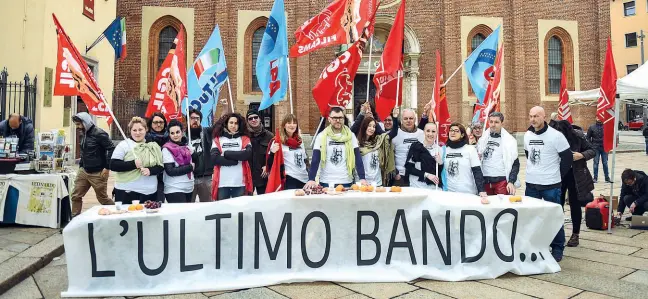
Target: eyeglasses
x=455, y=131
x=337, y=118
x=195, y=118
x=158, y=122
x=251, y=118
x=409, y=118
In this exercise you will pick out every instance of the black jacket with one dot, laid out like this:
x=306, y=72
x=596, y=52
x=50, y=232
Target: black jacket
x=25, y=134
x=260, y=144
x=595, y=136
x=645, y=130
x=418, y=153
x=96, y=146
x=582, y=175
x=639, y=189
x=200, y=156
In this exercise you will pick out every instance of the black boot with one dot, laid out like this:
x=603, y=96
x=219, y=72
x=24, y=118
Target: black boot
x=573, y=241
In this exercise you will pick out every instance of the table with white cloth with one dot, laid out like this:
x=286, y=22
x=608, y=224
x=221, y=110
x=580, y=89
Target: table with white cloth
x=255, y=241
x=35, y=199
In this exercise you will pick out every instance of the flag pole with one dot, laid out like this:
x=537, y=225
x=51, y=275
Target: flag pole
x=188, y=121
x=229, y=92
x=398, y=77
x=289, y=85
x=437, y=150
x=318, y=126
x=369, y=67
x=614, y=147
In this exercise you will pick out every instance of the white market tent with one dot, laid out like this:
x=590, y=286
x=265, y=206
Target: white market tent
x=632, y=89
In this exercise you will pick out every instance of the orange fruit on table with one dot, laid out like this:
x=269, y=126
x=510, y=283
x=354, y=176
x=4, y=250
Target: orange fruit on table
x=355, y=187
x=370, y=188
x=139, y=207
x=339, y=188
x=132, y=208
x=396, y=189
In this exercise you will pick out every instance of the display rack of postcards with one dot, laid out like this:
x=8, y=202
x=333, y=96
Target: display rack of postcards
x=52, y=152
x=8, y=147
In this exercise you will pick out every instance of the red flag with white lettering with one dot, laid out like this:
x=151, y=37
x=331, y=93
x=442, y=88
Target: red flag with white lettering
x=605, y=105
x=439, y=108
x=74, y=77
x=389, y=73
x=170, y=85
x=492, y=97
x=564, y=113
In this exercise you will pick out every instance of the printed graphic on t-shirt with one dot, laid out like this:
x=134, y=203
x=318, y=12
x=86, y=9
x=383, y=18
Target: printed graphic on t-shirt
x=299, y=159
x=453, y=165
x=490, y=148
x=374, y=161
x=231, y=145
x=197, y=145
x=534, y=155
x=336, y=156
x=409, y=141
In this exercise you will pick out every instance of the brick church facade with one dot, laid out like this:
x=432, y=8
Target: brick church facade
x=538, y=36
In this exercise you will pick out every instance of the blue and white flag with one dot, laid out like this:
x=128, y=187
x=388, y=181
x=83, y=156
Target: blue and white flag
x=205, y=78
x=479, y=65
x=272, y=61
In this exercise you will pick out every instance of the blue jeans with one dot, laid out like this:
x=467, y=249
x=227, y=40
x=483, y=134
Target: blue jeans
x=551, y=195
x=601, y=155
x=230, y=192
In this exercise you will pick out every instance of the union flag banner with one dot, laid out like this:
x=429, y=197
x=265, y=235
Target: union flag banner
x=492, y=96
x=170, y=86
x=389, y=74
x=439, y=109
x=564, y=113
x=605, y=105
x=335, y=85
x=74, y=78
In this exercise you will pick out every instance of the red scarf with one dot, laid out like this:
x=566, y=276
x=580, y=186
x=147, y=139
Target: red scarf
x=294, y=142
x=247, y=174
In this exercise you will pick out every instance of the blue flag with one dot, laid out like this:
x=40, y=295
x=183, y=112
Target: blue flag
x=205, y=78
x=479, y=61
x=272, y=61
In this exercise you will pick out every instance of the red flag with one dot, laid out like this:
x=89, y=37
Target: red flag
x=74, y=77
x=335, y=85
x=170, y=85
x=564, y=113
x=492, y=96
x=605, y=106
x=277, y=176
x=389, y=74
x=439, y=109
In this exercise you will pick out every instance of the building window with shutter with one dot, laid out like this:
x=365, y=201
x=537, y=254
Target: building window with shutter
x=558, y=51
x=252, y=39
x=167, y=36
x=256, y=44
x=631, y=68
x=631, y=40
x=629, y=8
x=161, y=37
x=555, y=62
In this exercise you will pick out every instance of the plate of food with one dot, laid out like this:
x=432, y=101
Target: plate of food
x=152, y=206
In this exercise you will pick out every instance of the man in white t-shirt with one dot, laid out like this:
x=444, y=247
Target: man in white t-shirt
x=548, y=160
x=499, y=157
x=336, y=149
x=408, y=133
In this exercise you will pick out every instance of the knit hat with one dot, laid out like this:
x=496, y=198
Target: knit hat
x=251, y=112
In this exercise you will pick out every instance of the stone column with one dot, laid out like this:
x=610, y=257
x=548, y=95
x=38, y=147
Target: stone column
x=413, y=76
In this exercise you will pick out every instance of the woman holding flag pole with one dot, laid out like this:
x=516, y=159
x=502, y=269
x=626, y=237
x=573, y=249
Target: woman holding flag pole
x=294, y=153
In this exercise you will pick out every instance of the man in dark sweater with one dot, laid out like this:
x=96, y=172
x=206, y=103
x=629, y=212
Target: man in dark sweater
x=595, y=137
x=260, y=138
x=201, y=140
x=549, y=158
x=634, y=193
x=96, y=150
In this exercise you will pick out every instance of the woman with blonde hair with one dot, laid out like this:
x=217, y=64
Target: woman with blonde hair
x=136, y=163
x=294, y=153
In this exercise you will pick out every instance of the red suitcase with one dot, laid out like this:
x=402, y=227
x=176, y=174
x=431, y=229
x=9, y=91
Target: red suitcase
x=597, y=213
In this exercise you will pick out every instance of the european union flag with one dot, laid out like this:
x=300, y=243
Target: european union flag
x=272, y=61
x=479, y=61
x=114, y=34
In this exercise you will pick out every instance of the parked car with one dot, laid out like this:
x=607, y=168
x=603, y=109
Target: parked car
x=636, y=124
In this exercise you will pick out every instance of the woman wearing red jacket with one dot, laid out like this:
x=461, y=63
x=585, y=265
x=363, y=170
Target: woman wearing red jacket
x=231, y=150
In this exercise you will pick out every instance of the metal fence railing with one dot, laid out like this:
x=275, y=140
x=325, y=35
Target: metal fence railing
x=17, y=97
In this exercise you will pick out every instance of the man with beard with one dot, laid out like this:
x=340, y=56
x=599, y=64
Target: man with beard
x=203, y=167
x=408, y=133
x=260, y=139
x=96, y=150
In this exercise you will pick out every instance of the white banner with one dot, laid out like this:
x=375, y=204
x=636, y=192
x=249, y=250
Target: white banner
x=38, y=198
x=279, y=238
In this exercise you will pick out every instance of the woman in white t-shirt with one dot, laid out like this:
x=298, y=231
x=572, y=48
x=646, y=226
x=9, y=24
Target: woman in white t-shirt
x=294, y=153
x=230, y=152
x=462, y=169
x=424, y=162
x=178, y=168
x=377, y=151
x=136, y=164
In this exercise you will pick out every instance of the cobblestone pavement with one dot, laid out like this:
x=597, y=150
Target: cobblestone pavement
x=603, y=266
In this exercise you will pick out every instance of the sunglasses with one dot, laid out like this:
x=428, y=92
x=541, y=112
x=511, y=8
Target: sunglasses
x=253, y=118
x=158, y=122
